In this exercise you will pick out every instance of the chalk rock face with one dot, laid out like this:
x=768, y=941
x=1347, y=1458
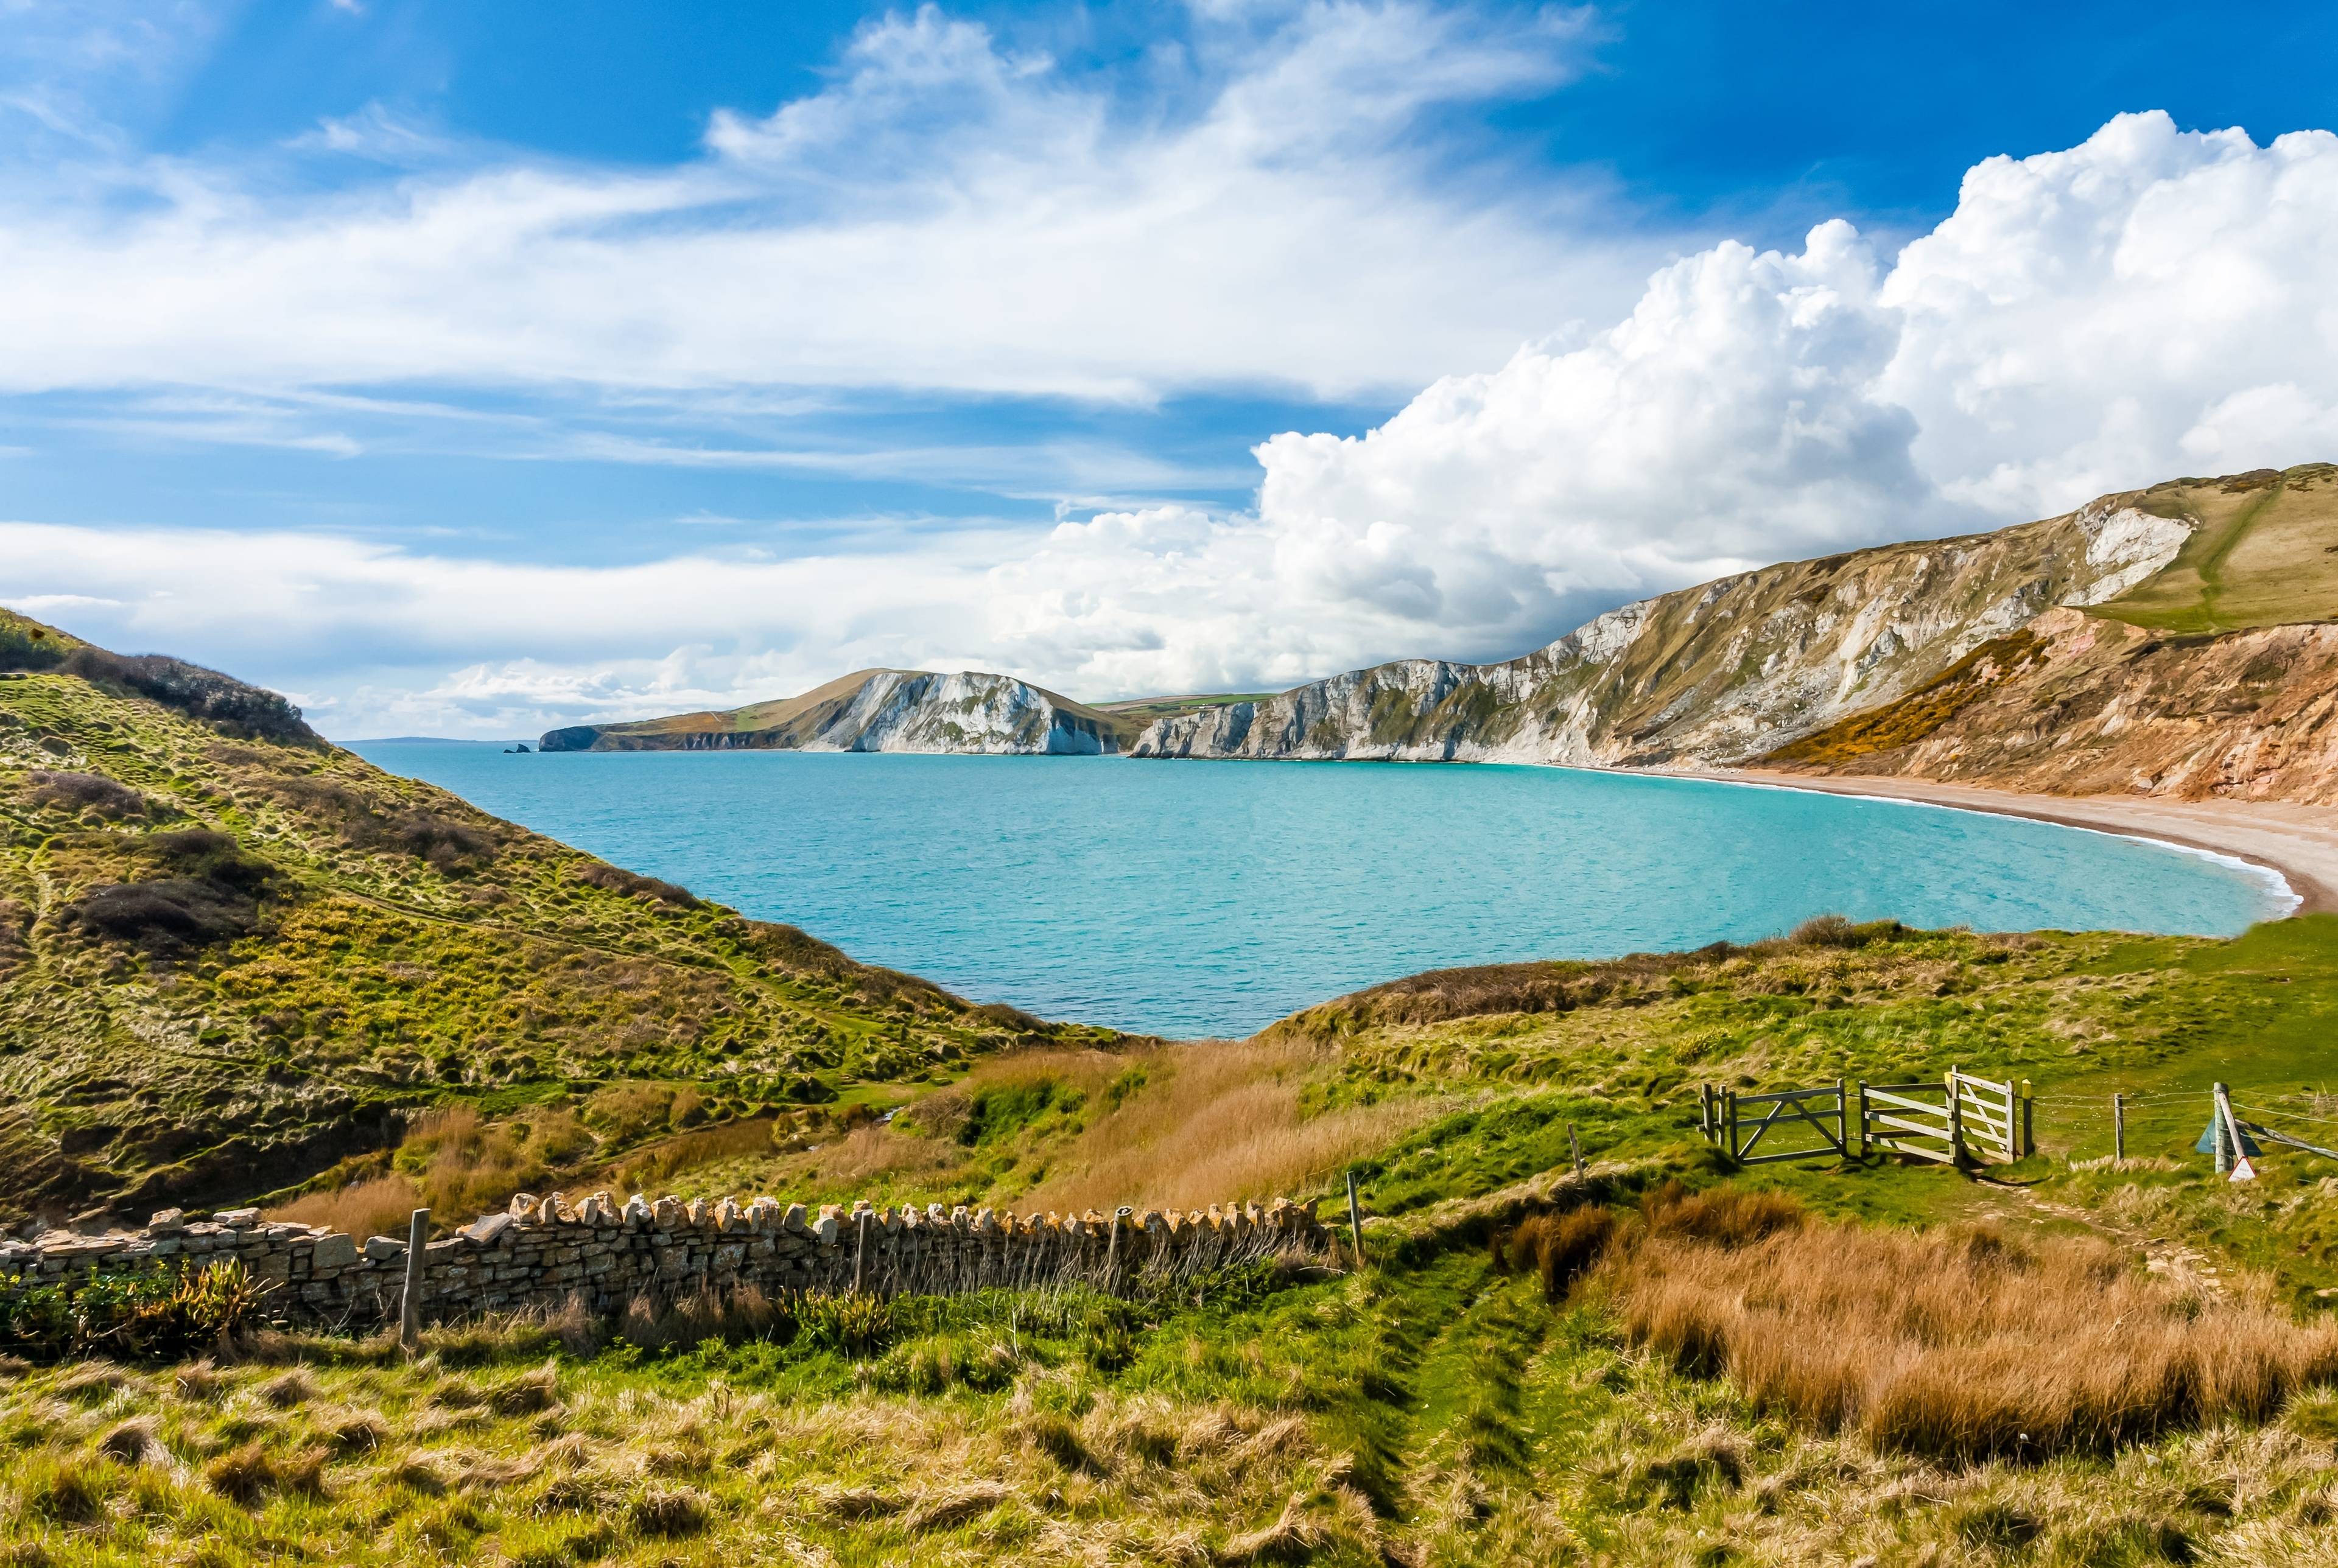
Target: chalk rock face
x=879, y=711
x=1711, y=676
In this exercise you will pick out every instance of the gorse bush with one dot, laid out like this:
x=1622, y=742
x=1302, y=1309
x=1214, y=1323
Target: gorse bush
x=153, y=1316
x=248, y=712
x=209, y=892
x=92, y=792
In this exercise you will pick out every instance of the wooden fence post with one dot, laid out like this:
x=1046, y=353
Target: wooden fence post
x=860, y=1248
x=409, y=1305
x=1729, y=1121
x=1956, y=1119
x=2118, y=1127
x=2028, y=1122
x=2217, y=1126
x=1574, y=1147
x=1843, y=1118
x=1355, y=1220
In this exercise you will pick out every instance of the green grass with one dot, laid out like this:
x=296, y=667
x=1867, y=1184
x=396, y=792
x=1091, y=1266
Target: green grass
x=2265, y=554
x=343, y=946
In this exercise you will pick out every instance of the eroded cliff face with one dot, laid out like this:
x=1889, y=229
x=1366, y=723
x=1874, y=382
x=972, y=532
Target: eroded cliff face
x=1711, y=676
x=2079, y=705
x=877, y=710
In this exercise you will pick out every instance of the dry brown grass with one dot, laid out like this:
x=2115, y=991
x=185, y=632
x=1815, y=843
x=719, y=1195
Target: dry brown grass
x=454, y=1163
x=378, y=1206
x=1218, y=1123
x=649, y=1170
x=865, y=1153
x=1557, y=1246
x=1959, y=1345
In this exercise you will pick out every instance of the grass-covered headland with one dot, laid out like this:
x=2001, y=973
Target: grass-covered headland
x=343, y=994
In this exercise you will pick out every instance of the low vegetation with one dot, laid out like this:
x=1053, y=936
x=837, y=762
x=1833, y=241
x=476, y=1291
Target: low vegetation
x=354, y=996
x=231, y=956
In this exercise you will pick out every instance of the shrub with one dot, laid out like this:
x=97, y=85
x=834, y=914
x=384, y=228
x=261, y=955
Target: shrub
x=209, y=895
x=92, y=792
x=158, y=1315
x=617, y=880
x=248, y=712
x=446, y=844
x=1835, y=931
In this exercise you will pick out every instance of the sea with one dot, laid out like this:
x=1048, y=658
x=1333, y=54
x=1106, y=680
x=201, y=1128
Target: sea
x=1197, y=900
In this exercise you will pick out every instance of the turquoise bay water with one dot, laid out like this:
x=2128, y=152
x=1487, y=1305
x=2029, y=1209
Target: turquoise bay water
x=1208, y=898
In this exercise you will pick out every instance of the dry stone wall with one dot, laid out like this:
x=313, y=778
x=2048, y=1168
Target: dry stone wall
x=543, y=1253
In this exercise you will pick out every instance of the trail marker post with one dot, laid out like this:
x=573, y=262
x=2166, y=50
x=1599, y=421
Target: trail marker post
x=2118, y=1127
x=1355, y=1220
x=860, y=1248
x=409, y=1304
x=2225, y=1151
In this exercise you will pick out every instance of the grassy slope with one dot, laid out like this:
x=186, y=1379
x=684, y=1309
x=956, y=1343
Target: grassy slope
x=1143, y=710
x=1430, y=1410
x=372, y=943
x=2265, y=553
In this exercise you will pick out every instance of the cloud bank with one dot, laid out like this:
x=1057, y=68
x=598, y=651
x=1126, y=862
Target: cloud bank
x=1259, y=204
x=2150, y=303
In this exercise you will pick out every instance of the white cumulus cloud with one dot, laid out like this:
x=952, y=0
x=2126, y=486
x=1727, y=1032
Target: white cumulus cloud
x=2148, y=304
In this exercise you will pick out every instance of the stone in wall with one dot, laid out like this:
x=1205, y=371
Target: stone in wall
x=540, y=1253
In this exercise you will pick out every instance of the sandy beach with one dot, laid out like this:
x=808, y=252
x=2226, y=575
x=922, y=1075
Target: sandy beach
x=2299, y=842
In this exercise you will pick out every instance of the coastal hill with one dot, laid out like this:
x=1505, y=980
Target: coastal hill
x=2195, y=605
x=879, y=711
x=232, y=954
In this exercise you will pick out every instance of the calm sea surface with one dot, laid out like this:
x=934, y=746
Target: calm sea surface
x=1202, y=898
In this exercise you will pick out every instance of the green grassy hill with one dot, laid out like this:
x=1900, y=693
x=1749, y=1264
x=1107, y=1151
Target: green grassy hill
x=230, y=953
x=2265, y=554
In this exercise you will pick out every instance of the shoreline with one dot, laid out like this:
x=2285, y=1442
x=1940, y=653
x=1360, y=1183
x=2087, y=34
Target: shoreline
x=2296, y=844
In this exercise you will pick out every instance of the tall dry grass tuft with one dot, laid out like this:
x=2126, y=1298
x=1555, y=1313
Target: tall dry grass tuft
x=1559, y=1248
x=1957, y=1345
x=1216, y=1123
x=378, y=1206
x=453, y=1162
x=648, y=1170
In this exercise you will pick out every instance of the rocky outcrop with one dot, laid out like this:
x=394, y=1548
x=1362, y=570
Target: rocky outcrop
x=1709, y=676
x=541, y=1253
x=2088, y=706
x=878, y=711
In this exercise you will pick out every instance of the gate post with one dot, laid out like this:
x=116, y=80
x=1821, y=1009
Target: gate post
x=2216, y=1124
x=1729, y=1121
x=1842, y=1119
x=2028, y=1122
x=1956, y=1119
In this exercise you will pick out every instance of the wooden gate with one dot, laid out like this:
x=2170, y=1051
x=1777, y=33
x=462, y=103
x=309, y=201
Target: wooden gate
x=1824, y=1110
x=1919, y=1120
x=1961, y=1120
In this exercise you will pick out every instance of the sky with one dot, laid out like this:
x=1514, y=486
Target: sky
x=469, y=370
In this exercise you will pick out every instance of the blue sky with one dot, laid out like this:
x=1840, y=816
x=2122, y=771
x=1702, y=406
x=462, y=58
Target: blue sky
x=510, y=364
